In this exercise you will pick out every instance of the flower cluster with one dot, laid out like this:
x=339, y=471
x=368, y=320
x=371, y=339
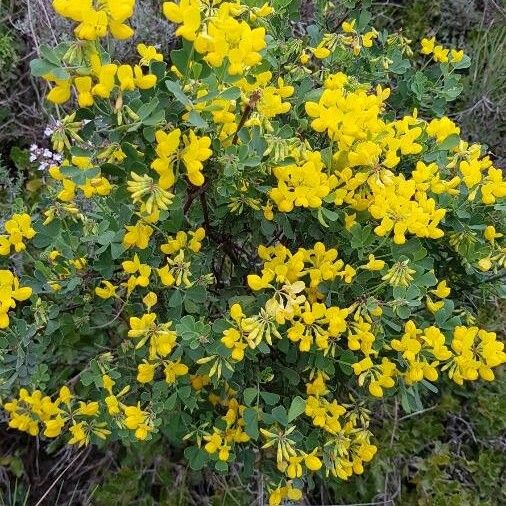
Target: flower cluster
x=302, y=185
x=95, y=23
x=219, y=35
x=18, y=228
x=33, y=412
x=222, y=440
x=196, y=150
x=10, y=293
x=439, y=53
x=267, y=98
x=227, y=246
x=29, y=412
x=102, y=79
x=93, y=186
x=476, y=352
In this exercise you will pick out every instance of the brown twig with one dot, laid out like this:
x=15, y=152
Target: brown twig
x=254, y=98
x=193, y=193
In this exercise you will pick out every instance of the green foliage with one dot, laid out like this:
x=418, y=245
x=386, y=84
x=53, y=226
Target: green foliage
x=158, y=320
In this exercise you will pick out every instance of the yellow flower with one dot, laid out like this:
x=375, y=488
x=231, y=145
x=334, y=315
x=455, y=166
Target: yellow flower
x=349, y=27
x=456, y=56
x=139, y=273
x=87, y=408
x=440, y=54
x=137, y=235
x=148, y=54
x=302, y=184
x=367, y=38
x=79, y=434
x=140, y=327
x=83, y=86
x=261, y=12
x=428, y=45
x=143, y=81
x=195, y=152
x=442, y=290
x=64, y=395
x=137, y=420
x=79, y=263
x=434, y=307
x=146, y=372
x=106, y=80
x=61, y=92
x=18, y=227
x=149, y=300
x=216, y=443
x=10, y=293
x=106, y=291
x=373, y=264
x=320, y=52
x=95, y=23
x=491, y=234
x=54, y=427
x=166, y=150
x=173, y=370
x=442, y=128
x=166, y=276
x=187, y=14
x=304, y=58
x=125, y=75
x=485, y=264
x=108, y=382
x=312, y=462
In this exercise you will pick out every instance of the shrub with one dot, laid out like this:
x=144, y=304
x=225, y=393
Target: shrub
x=242, y=249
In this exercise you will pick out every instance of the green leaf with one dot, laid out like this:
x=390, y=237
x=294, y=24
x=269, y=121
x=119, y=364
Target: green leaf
x=280, y=415
x=399, y=65
x=80, y=176
x=429, y=386
x=197, y=458
x=195, y=119
x=221, y=466
x=117, y=249
x=321, y=220
x=249, y=395
x=251, y=422
x=426, y=279
x=177, y=91
x=155, y=119
x=176, y=299
x=281, y=4
x=230, y=94
x=403, y=312
x=49, y=54
x=181, y=57
x=39, y=67
x=330, y=215
x=296, y=409
x=270, y=398
x=450, y=142
x=145, y=110
x=347, y=357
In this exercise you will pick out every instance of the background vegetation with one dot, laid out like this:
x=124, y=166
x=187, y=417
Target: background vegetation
x=452, y=454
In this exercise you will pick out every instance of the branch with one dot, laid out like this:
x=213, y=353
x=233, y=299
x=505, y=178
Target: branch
x=255, y=97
